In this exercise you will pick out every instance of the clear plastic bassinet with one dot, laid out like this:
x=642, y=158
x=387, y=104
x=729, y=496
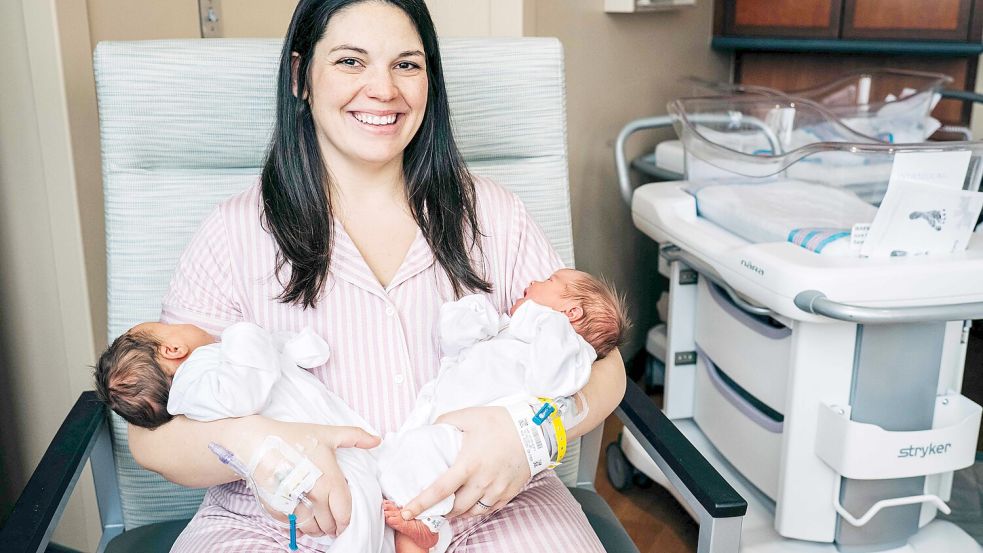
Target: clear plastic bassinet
x=771, y=168
x=892, y=105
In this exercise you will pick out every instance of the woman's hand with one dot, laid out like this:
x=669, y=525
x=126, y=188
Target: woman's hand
x=491, y=466
x=330, y=495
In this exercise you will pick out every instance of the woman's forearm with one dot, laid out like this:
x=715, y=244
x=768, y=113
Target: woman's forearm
x=179, y=452
x=604, y=391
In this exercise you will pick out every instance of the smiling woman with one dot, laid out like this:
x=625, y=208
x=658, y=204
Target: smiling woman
x=365, y=220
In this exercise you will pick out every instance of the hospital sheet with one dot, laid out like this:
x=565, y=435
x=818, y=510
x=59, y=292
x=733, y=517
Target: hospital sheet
x=813, y=216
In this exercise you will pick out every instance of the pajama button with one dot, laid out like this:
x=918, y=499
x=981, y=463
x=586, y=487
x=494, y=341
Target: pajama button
x=390, y=311
x=399, y=379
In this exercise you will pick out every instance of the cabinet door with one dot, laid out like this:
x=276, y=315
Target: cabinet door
x=798, y=71
x=907, y=19
x=783, y=18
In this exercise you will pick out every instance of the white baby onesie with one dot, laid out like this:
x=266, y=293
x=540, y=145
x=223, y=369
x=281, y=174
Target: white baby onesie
x=252, y=371
x=488, y=359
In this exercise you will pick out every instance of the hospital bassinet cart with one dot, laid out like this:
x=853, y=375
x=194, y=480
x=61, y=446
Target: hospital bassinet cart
x=823, y=384
x=892, y=105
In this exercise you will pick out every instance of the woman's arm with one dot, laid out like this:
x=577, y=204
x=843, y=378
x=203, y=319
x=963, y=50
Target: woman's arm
x=603, y=391
x=179, y=452
x=196, y=466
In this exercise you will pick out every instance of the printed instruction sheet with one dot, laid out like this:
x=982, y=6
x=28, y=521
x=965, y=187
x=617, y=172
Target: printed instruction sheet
x=925, y=210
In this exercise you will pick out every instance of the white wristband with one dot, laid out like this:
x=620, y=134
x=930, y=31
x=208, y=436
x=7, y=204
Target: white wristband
x=531, y=437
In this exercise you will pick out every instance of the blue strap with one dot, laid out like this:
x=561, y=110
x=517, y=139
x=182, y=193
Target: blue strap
x=293, y=531
x=830, y=239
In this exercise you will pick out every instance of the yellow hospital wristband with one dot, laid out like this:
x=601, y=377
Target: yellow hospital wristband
x=560, y=431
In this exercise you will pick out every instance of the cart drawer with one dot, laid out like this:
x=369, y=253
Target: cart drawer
x=750, y=439
x=753, y=349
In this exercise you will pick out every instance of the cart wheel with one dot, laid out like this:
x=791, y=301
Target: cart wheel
x=641, y=480
x=619, y=469
x=655, y=375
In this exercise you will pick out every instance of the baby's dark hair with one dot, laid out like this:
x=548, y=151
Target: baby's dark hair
x=130, y=380
x=605, y=322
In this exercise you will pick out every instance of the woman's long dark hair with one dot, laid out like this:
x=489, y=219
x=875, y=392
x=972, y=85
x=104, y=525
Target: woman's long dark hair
x=296, y=195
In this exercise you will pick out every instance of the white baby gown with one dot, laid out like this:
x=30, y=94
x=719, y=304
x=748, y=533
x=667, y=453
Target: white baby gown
x=252, y=371
x=487, y=359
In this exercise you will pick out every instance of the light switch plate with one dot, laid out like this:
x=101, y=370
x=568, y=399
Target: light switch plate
x=210, y=12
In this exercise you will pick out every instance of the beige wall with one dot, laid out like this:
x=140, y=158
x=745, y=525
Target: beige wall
x=46, y=340
x=621, y=67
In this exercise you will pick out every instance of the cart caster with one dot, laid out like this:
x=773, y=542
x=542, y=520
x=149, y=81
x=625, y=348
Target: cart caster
x=619, y=470
x=655, y=374
x=640, y=480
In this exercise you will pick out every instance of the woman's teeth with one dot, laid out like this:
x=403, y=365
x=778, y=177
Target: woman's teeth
x=376, y=119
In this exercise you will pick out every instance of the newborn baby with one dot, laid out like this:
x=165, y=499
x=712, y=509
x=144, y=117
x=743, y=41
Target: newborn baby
x=544, y=350
x=156, y=371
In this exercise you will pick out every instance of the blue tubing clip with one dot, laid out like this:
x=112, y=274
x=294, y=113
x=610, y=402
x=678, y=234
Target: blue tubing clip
x=293, y=531
x=544, y=412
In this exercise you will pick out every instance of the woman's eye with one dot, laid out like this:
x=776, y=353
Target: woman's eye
x=407, y=65
x=350, y=62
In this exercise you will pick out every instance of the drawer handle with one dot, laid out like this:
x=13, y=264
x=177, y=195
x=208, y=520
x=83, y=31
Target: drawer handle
x=774, y=423
x=884, y=503
x=751, y=321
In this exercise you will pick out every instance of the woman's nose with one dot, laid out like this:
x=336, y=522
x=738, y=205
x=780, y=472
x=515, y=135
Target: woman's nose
x=381, y=86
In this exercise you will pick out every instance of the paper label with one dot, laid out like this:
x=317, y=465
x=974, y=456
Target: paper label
x=531, y=436
x=858, y=234
x=925, y=210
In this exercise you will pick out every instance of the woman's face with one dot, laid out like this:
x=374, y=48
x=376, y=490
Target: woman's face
x=368, y=85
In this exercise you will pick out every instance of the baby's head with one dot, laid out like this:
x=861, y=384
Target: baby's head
x=133, y=375
x=596, y=312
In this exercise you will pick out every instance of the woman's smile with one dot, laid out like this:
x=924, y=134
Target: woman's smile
x=378, y=123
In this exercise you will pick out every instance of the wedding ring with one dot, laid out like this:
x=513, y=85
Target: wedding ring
x=483, y=506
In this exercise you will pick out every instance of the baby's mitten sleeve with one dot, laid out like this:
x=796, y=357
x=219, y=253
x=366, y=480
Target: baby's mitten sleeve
x=465, y=322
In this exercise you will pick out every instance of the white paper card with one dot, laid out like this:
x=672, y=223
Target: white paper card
x=857, y=235
x=945, y=169
x=925, y=210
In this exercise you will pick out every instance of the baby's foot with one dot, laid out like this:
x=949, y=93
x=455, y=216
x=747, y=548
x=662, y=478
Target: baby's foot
x=414, y=529
x=935, y=218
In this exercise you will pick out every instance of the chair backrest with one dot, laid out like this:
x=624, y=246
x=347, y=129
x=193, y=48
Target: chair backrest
x=186, y=123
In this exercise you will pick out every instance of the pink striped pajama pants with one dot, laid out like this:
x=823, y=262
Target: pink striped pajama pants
x=544, y=517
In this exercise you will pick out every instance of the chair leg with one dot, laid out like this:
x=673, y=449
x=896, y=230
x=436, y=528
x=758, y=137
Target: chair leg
x=107, y=487
x=719, y=535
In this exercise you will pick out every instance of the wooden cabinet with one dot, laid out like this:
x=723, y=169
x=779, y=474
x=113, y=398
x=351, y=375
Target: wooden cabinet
x=853, y=19
x=907, y=19
x=800, y=18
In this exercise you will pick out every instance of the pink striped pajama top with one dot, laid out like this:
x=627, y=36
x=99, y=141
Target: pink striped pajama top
x=383, y=348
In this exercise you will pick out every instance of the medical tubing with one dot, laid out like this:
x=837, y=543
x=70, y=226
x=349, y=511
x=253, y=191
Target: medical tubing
x=229, y=459
x=293, y=531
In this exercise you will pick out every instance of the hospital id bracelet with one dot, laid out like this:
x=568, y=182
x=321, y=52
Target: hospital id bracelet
x=531, y=436
x=552, y=413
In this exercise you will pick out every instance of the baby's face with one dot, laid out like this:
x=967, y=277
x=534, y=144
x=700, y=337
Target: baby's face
x=187, y=335
x=550, y=292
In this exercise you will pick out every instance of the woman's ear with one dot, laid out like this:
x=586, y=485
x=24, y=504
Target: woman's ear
x=173, y=351
x=294, y=72
x=574, y=313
